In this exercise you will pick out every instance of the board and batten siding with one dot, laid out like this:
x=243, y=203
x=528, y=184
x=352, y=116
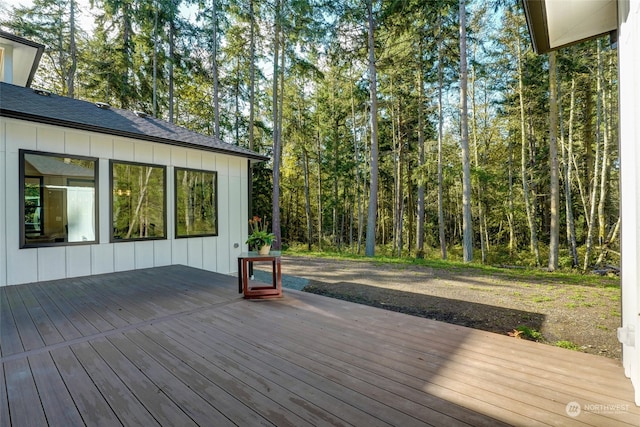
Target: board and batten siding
x=629, y=70
x=218, y=254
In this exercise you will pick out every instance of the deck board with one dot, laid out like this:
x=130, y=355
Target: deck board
x=179, y=346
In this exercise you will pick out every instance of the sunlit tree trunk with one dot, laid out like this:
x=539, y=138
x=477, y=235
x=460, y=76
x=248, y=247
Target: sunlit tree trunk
x=275, y=214
x=567, y=154
x=441, y=234
x=421, y=183
x=596, y=166
x=554, y=233
x=373, y=186
x=73, y=54
x=467, y=226
x=214, y=70
x=533, y=236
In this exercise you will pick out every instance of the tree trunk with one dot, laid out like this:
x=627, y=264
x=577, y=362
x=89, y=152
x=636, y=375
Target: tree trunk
x=252, y=75
x=596, y=165
x=571, y=228
x=373, y=186
x=441, y=234
x=307, y=196
x=71, y=73
x=275, y=214
x=467, y=226
x=554, y=232
x=421, y=201
x=214, y=71
x=171, y=59
x=533, y=236
x=476, y=164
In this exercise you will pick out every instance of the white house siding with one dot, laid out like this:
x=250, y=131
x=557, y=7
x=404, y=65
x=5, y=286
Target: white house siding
x=38, y=264
x=629, y=57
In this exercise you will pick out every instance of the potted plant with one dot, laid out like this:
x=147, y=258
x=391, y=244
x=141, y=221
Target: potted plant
x=260, y=239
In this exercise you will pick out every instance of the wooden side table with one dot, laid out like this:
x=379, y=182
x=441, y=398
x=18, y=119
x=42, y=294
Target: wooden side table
x=273, y=291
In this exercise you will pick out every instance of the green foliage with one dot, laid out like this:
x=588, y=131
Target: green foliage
x=529, y=333
x=568, y=345
x=259, y=236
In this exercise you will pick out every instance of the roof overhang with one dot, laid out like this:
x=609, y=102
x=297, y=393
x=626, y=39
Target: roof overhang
x=557, y=23
x=19, y=59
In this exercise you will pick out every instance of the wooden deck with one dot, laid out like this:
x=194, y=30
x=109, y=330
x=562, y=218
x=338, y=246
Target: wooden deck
x=177, y=346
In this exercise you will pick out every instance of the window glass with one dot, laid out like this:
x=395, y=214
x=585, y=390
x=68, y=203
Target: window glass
x=59, y=199
x=196, y=203
x=138, y=201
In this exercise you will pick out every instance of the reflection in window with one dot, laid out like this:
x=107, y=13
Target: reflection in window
x=59, y=199
x=196, y=203
x=138, y=201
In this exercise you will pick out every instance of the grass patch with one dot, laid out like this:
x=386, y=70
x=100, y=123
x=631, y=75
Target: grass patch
x=568, y=345
x=432, y=260
x=529, y=333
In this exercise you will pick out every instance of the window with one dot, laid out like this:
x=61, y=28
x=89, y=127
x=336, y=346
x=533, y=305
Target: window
x=138, y=194
x=196, y=203
x=58, y=194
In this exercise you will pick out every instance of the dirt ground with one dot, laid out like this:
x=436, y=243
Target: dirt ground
x=582, y=317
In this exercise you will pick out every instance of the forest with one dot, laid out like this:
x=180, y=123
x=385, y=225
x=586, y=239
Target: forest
x=399, y=127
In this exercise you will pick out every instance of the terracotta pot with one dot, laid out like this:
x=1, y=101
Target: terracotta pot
x=264, y=250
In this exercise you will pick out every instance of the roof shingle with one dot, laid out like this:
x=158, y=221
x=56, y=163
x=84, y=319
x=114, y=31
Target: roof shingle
x=26, y=104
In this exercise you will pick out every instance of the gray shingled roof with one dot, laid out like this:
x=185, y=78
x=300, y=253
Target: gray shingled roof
x=26, y=104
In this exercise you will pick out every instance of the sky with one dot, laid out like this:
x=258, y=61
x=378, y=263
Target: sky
x=85, y=19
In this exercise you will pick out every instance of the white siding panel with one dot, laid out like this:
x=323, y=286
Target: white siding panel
x=104, y=203
x=50, y=139
x=210, y=253
x=123, y=150
x=77, y=143
x=208, y=161
x=224, y=212
x=162, y=154
x=179, y=157
x=144, y=254
x=101, y=146
x=194, y=248
x=161, y=252
x=629, y=69
x=102, y=259
x=51, y=263
x=23, y=266
x=194, y=159
x=222, y=165
x=235, y=166
x=236, y=220
x=20, y=135
x=4, y=182
x=179, y=252
x=124, y=256
x=78, y=260
x=15, y=261
x=143, y=152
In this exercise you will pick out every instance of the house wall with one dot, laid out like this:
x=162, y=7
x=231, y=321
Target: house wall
x=27, y=265
x=629, y=66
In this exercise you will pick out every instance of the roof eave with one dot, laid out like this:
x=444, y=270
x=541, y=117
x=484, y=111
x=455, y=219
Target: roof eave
x=535, y=13
x=36, y=58
x=539, y=31
x=91, y=128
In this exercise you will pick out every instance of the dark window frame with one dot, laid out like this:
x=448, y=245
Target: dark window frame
x=21, y=172
x=112, y=239
x=175, y=203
